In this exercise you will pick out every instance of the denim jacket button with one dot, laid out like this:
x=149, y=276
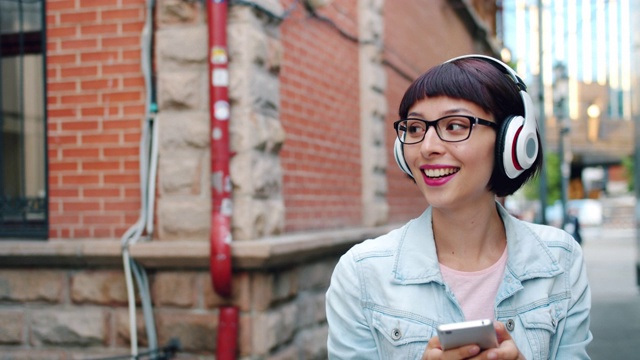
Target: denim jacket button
x=396, y=334
x=553, y=322
x=511, y=324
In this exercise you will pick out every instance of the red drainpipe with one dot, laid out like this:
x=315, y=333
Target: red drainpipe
x=220, y=236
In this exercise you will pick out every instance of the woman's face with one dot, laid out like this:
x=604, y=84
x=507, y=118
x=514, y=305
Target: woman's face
x=449, y=174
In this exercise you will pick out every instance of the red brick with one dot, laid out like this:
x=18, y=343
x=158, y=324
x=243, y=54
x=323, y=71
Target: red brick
x=122, y=124
x=79, y=125
x=99, y=56
x=94, y=84
x=98, y=29
x=131, y=55
x=79, y=44
x=130, y=205
x=67, y=86
x=79, y=99
x=122, y=96
x=101, y=219
x=80, y=179
x=121, y=69
x=79, y=71
x=85, y=4
x=63, y=166
x=100, y=165
x=58, y=140
x=80, y=153
x=67, y=112
x=56, y=5
x=100, y=139
x=63, y=193
x=61, y=59
x=80, y=206
x=78, y=17
x=122, y=179
x=122, y=14
x=99, y=111
x=121, y=151
x=101, y=192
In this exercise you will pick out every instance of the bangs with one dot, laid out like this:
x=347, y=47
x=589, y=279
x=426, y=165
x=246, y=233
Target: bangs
x=466, y=81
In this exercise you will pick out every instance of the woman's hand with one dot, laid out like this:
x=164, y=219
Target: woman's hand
x=506, y=350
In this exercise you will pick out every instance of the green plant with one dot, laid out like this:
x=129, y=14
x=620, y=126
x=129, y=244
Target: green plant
x=552, y=168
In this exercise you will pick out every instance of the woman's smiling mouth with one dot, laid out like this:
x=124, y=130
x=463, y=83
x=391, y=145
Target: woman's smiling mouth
x=439, y=172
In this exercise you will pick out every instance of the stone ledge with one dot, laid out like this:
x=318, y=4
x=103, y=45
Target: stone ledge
x=263, y=253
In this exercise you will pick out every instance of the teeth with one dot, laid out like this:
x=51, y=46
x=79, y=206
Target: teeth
x=435, y=173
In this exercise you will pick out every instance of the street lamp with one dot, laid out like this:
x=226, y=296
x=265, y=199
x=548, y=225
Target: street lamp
x=560, y=93
x=593, y=112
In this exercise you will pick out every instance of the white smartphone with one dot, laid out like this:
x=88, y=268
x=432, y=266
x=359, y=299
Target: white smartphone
x=479, y=332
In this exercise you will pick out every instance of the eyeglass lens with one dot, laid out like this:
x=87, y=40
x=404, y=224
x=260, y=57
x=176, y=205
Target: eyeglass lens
x=449, y=128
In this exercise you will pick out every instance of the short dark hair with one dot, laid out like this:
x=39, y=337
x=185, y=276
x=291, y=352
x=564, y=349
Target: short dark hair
x=480, y=82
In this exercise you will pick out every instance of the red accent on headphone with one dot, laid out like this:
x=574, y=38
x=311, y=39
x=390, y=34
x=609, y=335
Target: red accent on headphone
x=514, y=156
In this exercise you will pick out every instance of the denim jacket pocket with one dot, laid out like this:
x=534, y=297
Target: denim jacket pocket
x=540, y=326
x=399, y=337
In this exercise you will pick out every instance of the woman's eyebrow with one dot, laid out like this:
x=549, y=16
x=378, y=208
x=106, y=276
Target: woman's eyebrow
x=448, y=112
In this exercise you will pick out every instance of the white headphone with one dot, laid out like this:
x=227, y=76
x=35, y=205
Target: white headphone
x=517, y=141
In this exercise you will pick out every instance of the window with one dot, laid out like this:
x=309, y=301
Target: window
x=23, y=165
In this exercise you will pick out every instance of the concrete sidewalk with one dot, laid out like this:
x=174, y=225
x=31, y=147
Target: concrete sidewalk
x=610, y=255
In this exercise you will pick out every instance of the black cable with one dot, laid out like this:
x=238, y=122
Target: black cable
x=164, y=353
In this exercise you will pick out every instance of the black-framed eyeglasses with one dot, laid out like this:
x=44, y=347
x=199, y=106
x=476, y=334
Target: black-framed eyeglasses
x=452, y=128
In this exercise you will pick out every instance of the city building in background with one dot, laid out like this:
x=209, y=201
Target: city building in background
x=583, y=52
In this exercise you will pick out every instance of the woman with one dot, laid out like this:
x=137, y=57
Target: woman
x=466, y=134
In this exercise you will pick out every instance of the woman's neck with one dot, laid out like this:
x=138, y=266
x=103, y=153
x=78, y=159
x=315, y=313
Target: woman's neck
x=469, y=239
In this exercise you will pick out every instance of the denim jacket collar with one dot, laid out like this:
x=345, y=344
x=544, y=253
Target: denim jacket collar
x=416, y=260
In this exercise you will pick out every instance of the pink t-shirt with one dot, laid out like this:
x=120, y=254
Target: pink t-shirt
x=476, y=290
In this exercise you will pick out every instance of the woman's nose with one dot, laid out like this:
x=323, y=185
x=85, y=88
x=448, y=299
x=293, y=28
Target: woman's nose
x=431, y=142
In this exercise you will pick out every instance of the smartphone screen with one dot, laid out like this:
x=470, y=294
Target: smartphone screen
x=479, y=332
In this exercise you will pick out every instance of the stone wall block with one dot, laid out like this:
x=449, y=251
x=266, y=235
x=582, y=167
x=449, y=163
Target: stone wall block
x=312, y=343
x=11, y=326
x=122, y=328
x=32, y=285
x=184, y=218
x=174, y=289
x=176, y=54
x=272, y=288
x=99, y=287
x=244, y=217
x=311, y=309
x=316, y=275
x=274, y=327
x=195, y=331
x=247, y=42
x=182, y=175
x=172, y=12
x=253, y=218
x=277, y=135
x=68, y=327
x=240, y=292
x=266, y=93
x=183, y=90
x=184, y=130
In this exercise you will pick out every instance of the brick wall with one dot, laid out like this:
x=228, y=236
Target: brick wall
x=321, y=116
x=95, y=109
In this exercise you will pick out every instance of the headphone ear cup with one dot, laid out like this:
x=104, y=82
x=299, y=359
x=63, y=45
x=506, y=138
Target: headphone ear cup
x=398, y=154
x=506, y=152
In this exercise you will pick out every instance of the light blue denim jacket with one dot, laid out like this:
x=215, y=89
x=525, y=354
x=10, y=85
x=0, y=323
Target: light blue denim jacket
x=387, y=294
